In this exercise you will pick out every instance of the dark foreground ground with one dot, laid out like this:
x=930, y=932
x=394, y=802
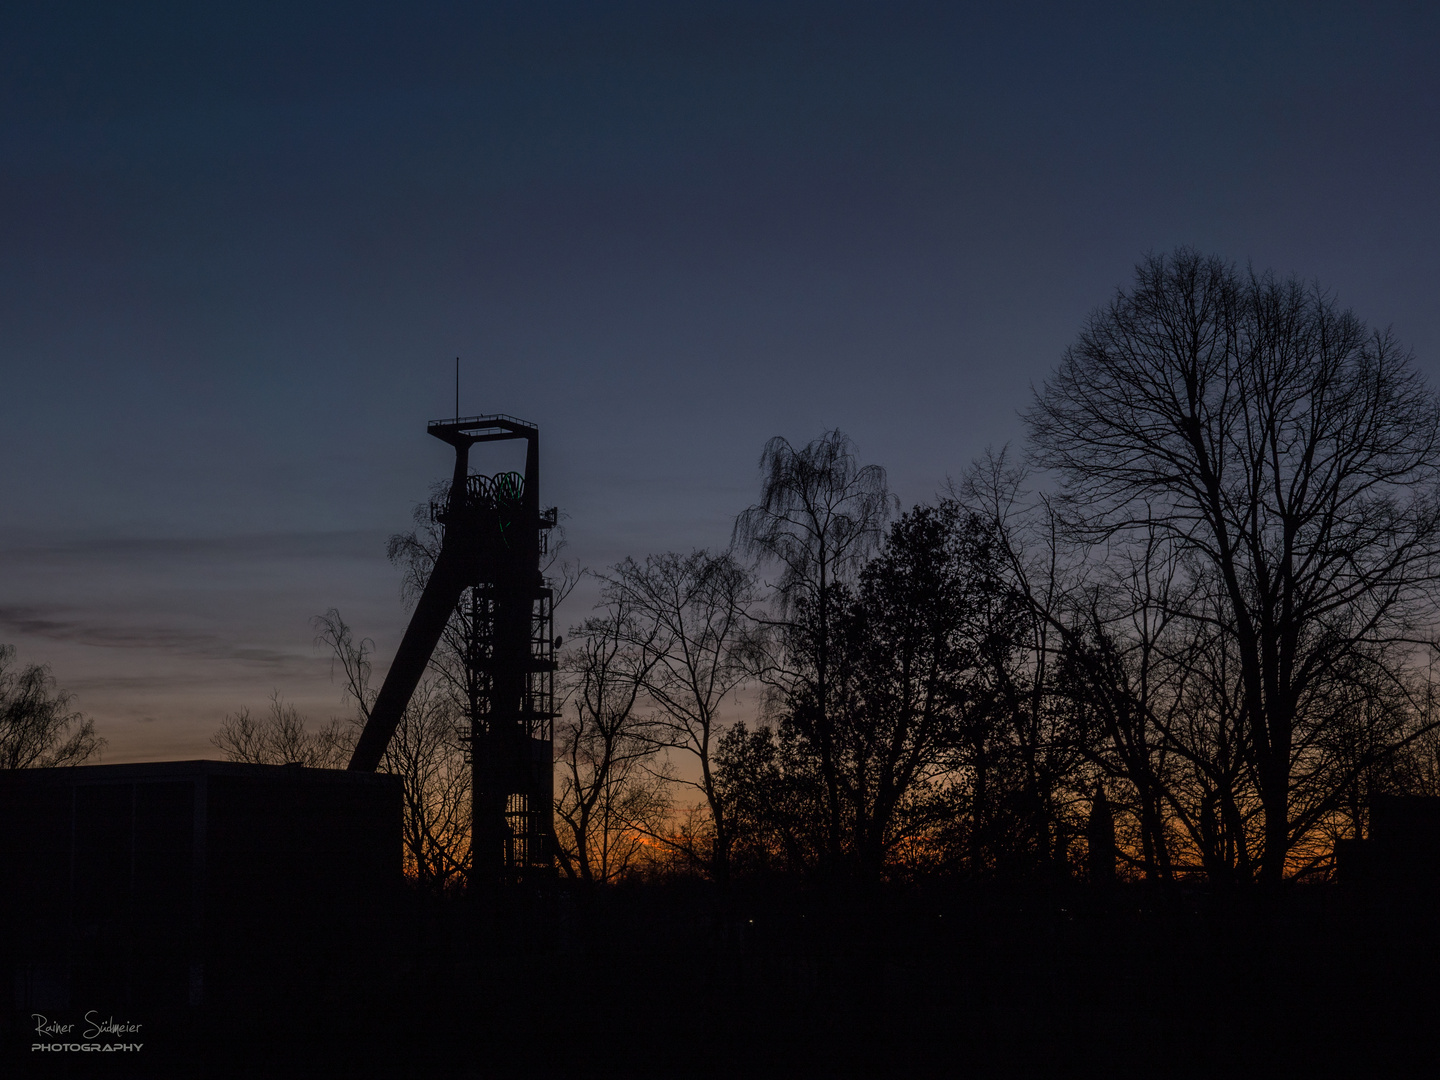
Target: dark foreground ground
x=671, y=981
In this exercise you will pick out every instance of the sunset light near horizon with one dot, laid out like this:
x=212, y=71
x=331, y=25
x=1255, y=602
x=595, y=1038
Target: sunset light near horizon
x=243, y=247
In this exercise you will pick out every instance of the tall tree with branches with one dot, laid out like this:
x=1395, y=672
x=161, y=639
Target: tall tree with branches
x=927, y=642
x=692, y=621
x=38, y=728
x=819, y=516
x=610, y=799
x=425, y=752
x=1292, y=455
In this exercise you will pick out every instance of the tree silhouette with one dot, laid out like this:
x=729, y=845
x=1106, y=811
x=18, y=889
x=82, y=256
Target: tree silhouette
x=691, y=621
x=425, y=752
x=930, y=627
x=38, y=729
x=608, y=798
x=282, y=737
x=1290, y=457
x=819, y=515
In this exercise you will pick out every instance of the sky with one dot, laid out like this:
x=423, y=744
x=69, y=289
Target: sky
x=241, y=246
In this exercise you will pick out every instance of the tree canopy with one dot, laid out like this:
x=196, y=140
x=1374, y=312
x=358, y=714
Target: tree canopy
x=38, y=728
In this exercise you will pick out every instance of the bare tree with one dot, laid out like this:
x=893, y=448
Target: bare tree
x=425, y=752
x=1141, y=693
x=281, y=737
x=1290, y=456
x=38, y=729
x=691, y=619
x=820, y=514
x=610, y=800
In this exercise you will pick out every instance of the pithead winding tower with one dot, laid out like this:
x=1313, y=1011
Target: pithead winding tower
x=488, y=571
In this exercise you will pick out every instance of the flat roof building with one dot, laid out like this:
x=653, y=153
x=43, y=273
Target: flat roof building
x=178, y=882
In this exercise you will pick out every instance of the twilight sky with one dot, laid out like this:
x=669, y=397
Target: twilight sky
x=242, y=244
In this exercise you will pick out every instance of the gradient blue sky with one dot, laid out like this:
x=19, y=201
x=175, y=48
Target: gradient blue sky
x=241, y=245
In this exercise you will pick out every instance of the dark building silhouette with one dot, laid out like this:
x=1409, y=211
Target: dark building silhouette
x=489, y=569
x=1402, y=850
x=1100, y=841
x=189, y=881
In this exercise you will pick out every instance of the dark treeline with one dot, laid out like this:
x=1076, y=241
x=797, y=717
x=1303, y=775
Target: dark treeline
x=1184, y=633
x=1188, y=634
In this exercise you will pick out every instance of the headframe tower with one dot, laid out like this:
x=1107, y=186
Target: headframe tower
x=494, y=535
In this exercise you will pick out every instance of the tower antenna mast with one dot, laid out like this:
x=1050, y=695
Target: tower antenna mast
x=489, y=568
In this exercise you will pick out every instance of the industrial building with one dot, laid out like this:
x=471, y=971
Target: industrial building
x=182, y=882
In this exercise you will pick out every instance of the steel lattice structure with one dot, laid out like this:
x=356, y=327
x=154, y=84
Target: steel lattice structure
x=489, y=571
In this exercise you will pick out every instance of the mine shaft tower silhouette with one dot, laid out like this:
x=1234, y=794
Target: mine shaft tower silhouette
x=488, y=572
